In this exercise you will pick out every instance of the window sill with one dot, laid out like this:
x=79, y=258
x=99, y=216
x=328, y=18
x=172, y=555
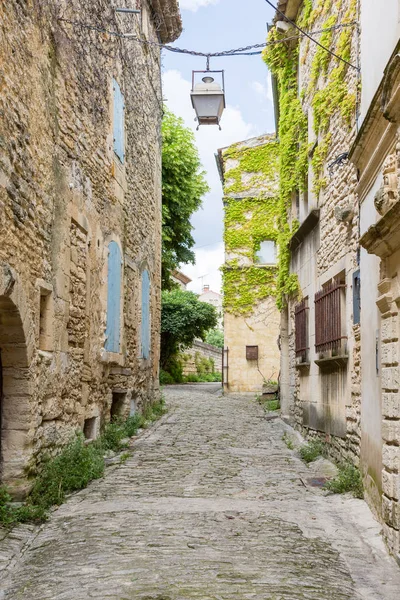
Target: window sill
x=303, y=366
x=116, y=358
x=332, y=362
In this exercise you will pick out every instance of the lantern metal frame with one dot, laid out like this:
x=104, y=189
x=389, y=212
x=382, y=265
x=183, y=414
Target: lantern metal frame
x=207, y=72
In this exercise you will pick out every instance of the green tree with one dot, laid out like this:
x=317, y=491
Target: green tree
x=215, y=337
x=183, y=186
x=183, y=318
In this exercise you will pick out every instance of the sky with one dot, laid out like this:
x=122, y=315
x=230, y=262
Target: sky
x=213, y=26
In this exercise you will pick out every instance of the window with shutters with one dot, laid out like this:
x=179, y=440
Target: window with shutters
x=145, y=328
x=301, y=331
x=114, y=277
x=330, y=313
x=119, y=122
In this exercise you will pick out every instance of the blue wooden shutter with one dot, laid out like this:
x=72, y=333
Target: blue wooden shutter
x=119, y=122
x=145, y=314
x=113, y=298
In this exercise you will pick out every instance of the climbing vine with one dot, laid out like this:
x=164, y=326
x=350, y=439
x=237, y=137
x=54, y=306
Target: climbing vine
x=251, y=216
x=327, y=93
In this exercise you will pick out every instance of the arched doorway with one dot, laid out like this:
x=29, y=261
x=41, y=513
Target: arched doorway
x=15, y=395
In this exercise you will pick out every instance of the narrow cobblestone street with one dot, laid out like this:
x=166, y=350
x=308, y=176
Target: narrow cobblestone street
x=211, y=505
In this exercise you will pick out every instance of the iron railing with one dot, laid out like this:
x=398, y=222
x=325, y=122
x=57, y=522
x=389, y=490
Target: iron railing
x=301, y=329
x=328, y=317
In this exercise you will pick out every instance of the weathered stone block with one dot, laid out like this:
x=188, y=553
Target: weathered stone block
x=390, y=378
x=391, y=458
x=391, y=512
x=391, y=405
x=389, y=329
x=391, y=485
x=391, y=432
x=390, y=353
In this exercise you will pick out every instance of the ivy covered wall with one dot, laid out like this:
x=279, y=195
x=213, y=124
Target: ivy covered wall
x=317, y=99
x=251, y=202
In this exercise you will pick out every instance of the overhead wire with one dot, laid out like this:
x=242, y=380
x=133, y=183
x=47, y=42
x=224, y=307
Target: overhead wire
x=251, y=50
x=309, y=36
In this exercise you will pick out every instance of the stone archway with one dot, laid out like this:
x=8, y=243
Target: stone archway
x=16, y=392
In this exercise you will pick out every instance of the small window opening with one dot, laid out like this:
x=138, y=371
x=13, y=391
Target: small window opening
x=45, y=321
x=90, y=428
x=117, y=405
x=267, y=254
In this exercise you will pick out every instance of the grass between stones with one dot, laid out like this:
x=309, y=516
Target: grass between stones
x=74, y=468
x=348, y=479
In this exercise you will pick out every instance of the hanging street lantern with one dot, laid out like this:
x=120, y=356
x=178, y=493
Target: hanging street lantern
x=208, y=98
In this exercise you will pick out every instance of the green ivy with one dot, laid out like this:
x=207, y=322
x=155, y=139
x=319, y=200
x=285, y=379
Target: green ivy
x=333, y=95
x=250, y=220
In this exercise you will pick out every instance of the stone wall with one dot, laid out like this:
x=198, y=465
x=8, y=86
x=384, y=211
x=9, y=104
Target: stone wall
x=251, y=317
x=64, y=196
x=325, y=401
x=198, y=351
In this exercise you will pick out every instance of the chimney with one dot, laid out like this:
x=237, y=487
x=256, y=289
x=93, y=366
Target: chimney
x=206, y=288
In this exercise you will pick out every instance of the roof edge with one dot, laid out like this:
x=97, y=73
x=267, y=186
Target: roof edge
x=168, y=18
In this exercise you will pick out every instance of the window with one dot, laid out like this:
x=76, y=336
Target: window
x=329, y=317
x=113, y=298
x=90, y=428
x=267, y=255
x=46, y=320
x=301, y=330
x=119, y=122
x=145, y=330
x=118, y=405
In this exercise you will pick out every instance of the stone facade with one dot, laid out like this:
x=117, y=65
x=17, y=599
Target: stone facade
x=251, y=317
x=349, y=234
x=319, y=389
x=65, y=197
x=198, y=351
x=376, y=153
x=215, y=300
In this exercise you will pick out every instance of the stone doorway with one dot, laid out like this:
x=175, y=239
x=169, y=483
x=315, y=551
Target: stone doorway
x=15, y=396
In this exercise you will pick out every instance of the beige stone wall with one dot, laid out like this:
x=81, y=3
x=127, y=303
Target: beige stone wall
x=326, y=402
x=258, y=329
x=256, y=323
x=64, y=196
x=201, y=350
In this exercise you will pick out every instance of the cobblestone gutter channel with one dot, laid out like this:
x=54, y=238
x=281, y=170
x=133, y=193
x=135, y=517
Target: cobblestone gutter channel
x=210, y=506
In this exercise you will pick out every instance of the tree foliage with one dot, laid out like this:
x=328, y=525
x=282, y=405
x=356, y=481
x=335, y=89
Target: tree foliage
x=215, y=337
x=183, y=186
x=183, y=318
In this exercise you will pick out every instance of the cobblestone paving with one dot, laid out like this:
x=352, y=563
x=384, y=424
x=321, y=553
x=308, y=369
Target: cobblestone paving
x=211, y=506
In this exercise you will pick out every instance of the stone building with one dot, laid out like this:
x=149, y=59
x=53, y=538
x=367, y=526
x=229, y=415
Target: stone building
x=339, y=334
x=251, y=318
x=80, y=217
x=180, y=279
x=216, y=300
x=376, y=155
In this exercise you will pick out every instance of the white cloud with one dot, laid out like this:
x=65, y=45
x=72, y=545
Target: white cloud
x=208, y=221
x=206, y=270
x=263, y=89
x=193, y=5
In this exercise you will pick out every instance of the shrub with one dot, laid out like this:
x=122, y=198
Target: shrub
x=11, y=514
x=348, y=479
x=75, y=466
x=166, y=378
x=312, y=450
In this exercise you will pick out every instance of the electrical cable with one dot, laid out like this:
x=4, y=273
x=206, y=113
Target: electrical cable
x=244, y=51
x=311, y=38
